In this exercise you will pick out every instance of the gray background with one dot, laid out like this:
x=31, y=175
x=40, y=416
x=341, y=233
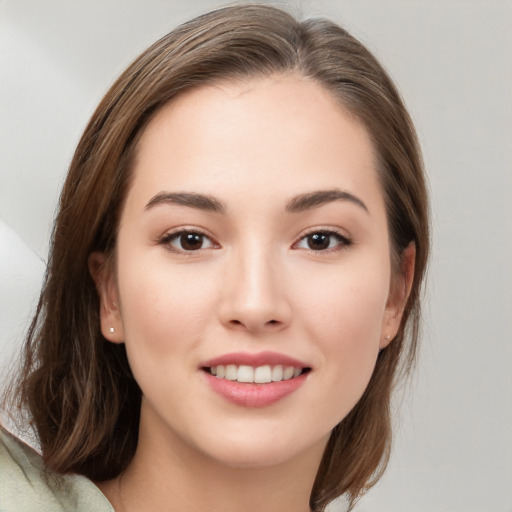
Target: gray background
x=452, y=61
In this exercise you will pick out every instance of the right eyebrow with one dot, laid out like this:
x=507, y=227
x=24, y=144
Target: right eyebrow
x=318, y=198
x=192, y=200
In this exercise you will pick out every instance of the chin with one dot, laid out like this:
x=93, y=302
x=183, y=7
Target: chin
x=253, y=451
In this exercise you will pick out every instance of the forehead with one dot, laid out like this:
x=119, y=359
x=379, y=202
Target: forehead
x=283, y=134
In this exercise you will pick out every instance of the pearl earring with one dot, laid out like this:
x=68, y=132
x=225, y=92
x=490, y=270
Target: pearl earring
x=112, y=329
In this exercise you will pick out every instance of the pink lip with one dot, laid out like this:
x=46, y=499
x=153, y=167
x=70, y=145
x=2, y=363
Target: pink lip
x=254, y=395
x=259, y=359
x=249, y=394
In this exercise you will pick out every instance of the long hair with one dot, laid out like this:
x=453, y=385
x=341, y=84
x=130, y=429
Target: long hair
x=78, y=389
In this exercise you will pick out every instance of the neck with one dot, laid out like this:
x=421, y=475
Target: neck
x=174, y=477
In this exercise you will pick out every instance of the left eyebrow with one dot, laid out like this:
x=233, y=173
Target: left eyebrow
x=310, y=200
x=192, y=200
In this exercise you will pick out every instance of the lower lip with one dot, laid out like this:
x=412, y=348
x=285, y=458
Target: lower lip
x=254, y=395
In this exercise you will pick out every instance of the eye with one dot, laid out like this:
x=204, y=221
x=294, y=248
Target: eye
x=187, y=241
x=323, y=240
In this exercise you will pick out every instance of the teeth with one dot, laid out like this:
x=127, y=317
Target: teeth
x=258, y=375
x=277, y=373
x=231, y=372
x=262, y=374
x=245, y=374
x=288, y=373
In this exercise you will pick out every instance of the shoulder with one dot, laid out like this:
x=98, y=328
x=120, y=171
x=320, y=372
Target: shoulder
x=26, y=485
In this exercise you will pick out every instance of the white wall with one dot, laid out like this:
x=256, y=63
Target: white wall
x=453, y=63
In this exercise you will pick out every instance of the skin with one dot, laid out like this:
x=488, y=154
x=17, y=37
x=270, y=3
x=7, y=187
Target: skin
x=253, y=285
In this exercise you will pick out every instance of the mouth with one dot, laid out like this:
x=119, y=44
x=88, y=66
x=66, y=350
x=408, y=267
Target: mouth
x=255, y=380
x=255, y=374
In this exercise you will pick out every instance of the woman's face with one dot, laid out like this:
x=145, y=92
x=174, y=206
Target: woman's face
x=253, y=245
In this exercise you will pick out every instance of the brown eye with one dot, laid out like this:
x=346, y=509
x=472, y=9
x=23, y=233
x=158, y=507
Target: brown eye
x=191, y=241
x=322, y=241
x=187, y=241
x=319, y=241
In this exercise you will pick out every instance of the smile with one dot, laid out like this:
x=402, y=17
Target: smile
x=255, y=380
x=257, y=375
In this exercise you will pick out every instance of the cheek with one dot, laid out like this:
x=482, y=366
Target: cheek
x=164, y=310
x=349, y=302
x=344, y=316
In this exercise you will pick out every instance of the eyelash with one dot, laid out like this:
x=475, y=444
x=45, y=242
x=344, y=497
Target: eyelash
x=342, y=241
x=168, y=238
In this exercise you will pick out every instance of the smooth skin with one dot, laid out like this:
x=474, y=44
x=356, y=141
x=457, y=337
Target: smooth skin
x=189, y=284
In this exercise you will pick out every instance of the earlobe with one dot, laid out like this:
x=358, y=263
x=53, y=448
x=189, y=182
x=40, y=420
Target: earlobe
x=110, y=317
x=398, y=296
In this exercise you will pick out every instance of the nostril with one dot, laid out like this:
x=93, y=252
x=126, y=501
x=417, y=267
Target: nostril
x=240, y=323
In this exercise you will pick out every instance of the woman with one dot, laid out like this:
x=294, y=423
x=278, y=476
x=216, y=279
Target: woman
x=236, y=261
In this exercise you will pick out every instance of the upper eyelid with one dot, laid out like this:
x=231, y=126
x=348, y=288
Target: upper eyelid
x=324, y=229
x=187, y=229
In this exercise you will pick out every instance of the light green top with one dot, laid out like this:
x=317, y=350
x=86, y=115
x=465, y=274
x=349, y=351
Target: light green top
x=26, y=486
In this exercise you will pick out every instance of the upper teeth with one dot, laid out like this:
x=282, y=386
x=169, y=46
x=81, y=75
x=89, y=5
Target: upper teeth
x=259, y=375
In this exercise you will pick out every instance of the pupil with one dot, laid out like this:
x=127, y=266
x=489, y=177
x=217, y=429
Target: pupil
x=191, y=241
x=318, y=241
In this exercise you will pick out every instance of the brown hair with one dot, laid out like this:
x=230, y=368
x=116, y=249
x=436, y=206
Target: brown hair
x=77, y=387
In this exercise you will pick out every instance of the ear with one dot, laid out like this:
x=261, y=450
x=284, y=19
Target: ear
x=398, y=295
x=102, y=274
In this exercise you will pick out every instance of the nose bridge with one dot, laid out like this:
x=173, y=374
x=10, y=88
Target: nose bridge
x=254, y=295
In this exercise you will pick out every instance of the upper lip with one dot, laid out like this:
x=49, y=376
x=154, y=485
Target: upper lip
x=257, y=359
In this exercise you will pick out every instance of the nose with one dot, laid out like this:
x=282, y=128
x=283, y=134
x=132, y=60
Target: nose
x=254, y=296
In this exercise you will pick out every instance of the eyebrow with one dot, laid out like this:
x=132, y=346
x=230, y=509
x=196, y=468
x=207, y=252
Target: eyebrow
x=310, y=200
x=296, y=204
x=192, y=200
